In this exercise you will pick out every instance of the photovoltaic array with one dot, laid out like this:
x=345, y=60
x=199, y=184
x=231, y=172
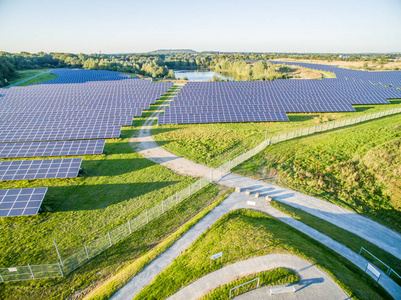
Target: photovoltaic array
x=70, y=115
x=263, y=101
x=39, y=169
x=21, y=202
x=59, y=148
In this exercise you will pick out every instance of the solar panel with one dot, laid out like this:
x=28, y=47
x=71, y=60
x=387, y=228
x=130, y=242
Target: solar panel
x=39, y=169
x=21, y=202
x=59, y=148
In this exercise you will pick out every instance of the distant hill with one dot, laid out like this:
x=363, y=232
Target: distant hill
x=173, y=51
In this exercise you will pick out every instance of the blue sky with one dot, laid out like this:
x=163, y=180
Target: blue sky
x=122, y=26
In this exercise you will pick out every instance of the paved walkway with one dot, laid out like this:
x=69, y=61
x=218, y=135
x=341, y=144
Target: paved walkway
x=25, y=80
x=237, y=201
x=314, y=284
x=367, y=229
x=372, y=231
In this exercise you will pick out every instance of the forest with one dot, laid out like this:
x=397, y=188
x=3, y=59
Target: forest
x=160, y=64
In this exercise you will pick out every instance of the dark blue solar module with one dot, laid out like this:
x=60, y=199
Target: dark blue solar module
x=21, y=202
x=79, y=104
x=264, y=101
x=39, y=169
x=59, y=134
x=59, y=148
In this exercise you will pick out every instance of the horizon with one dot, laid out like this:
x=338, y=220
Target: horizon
x=231, y=27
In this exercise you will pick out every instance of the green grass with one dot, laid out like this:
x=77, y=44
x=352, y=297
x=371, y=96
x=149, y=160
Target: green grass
x=278, y=276
x=138, y=249
x=111, y=189
x=356, y=167
x=243, y=234
x=107, y=289
x=25, y=74
x=344, y=237
x=214, y=144
x=39, y=79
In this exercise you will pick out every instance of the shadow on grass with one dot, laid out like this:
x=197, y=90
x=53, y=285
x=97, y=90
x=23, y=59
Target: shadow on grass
x=94, y=197
x=301, y=118
x=112, y=167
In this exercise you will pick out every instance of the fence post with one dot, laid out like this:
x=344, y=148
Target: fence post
x=147, y=217
x=163, y=206
x=1, y=277
x=58, y=253
x=176, y=198
x=33, y=277
x=86, y=250
x=200, y=183
x=229, y=165
x=61, y=270
x=129, y=226
x=108, y=234
x=189, y=190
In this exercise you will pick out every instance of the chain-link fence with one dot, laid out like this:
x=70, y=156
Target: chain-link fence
x=68, y=264
x=225, y=168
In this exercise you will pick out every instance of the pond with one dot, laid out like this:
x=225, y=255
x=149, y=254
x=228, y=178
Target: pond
x=198, y=75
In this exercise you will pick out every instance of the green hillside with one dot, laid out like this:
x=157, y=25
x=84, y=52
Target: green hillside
x=357, y=167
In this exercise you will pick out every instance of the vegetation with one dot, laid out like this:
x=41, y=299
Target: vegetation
x=107, y=289
x=276, y=276
x=157, y=64
x=214, y=144
x=39, y=79
x=23, y=75
x=357, y=167
x=245, y=233
x=344, y=237
x=128, y=256
x=260, y=70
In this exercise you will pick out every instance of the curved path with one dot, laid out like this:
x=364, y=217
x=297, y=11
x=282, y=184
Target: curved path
x=237, y=201
x=314, y=284
x=146, y=145
x=367, y=229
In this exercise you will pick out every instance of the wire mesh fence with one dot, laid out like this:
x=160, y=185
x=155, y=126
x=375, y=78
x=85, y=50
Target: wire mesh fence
x=68, y=264
x=225, y=168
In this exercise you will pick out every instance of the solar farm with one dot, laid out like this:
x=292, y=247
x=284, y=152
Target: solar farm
x=71, y=115
x=74, y=115
x=270, y=101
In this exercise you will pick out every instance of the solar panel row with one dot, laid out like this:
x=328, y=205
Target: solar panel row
x=209, y=102
x=59, y=148
x=39, y=169
x=21, y=202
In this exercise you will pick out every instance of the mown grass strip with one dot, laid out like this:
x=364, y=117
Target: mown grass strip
x=39, y=79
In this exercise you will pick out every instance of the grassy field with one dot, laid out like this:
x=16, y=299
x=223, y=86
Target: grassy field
x=27, y=74
x=356, y=167
x=278, y=276
x=344, y=237
x=39, y=79
x=245, y=233
x=213, y=144
x=138, y=249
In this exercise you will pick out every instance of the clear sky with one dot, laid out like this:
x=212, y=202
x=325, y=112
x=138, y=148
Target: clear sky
x=126, y=26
